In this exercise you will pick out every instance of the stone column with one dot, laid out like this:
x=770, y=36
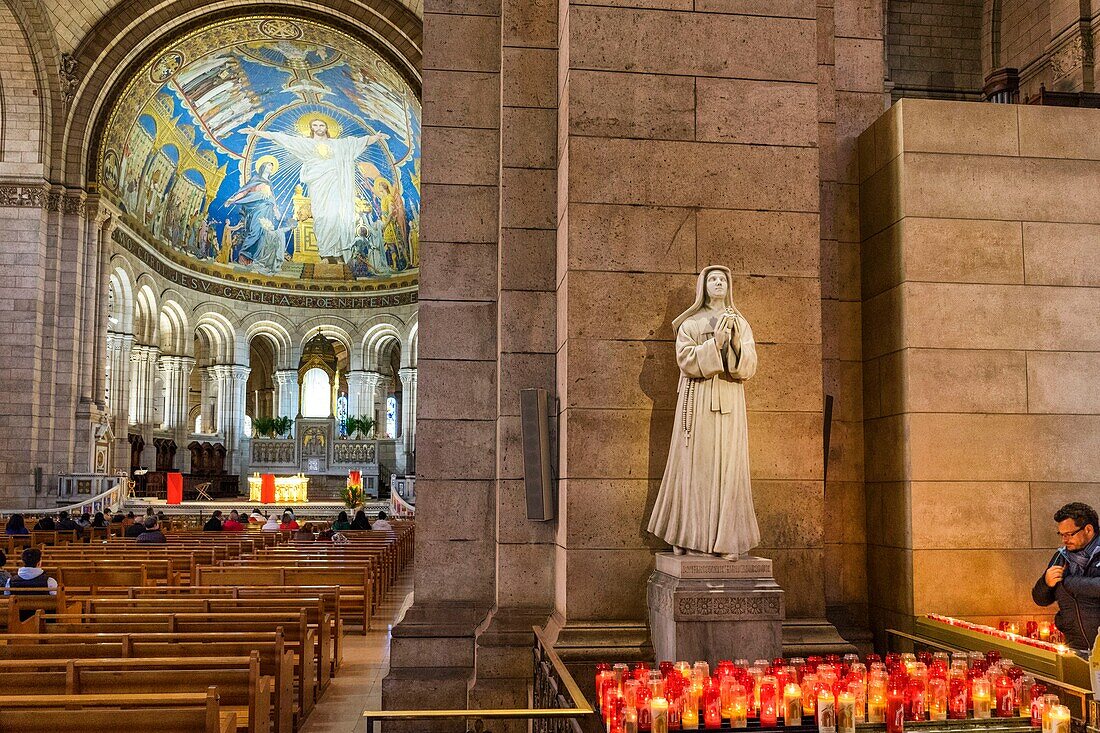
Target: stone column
x=143, y=360
x=376, y=385
x=358, y=404
x=408, y=410
x=207, y=400
x=286, y=386
x=119, y=346
x=176, y=375
x=232, y=380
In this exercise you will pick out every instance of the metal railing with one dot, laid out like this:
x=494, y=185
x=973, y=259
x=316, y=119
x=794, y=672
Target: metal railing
x=558, y=701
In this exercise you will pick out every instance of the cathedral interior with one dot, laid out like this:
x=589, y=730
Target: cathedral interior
x=214, y=266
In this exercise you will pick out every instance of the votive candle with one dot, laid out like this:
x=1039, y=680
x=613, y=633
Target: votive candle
x=769, y=702
x=658, y=712
x=826, y=712
x=846, y=713
x=792, y=705
x=1059, y=719
x=982, y=698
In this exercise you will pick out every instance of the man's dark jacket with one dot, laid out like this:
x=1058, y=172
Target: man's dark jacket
x=1078, y=598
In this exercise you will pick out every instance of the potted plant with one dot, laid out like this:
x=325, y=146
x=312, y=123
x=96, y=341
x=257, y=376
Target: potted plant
x=281, y=426
x=263, y=426
x=352, y=492
x=357, y=427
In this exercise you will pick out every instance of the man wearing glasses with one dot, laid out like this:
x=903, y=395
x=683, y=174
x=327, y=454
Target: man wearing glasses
x=1072, y=578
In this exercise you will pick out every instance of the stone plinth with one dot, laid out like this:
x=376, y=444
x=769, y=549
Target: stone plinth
x=709, y=608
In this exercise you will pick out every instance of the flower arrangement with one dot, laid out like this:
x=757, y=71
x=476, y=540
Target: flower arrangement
x=352, y=493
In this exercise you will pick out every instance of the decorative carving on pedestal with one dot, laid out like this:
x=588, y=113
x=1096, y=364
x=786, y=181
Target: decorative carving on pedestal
x=712, y=608
x=693, y=606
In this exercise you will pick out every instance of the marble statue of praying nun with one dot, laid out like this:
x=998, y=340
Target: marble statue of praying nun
x=705, y=501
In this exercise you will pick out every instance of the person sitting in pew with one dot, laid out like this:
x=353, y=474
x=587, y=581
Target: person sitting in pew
x=341, y=522
x=256, y=517
x=233, y=524
x=135, y=529
x=381, y=522
x=214, y=524
x=271, y=525
x=16, y=525
x=305, y=533
x=99, y=520
x=4, y=574
x=30, y=576
x=65, y=523
x=152, y=534
x=45, y=524
x=288, y=521
x=360, y=521
x=128, y=521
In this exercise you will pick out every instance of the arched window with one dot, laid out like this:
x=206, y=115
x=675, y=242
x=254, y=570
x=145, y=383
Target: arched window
x=391, y=417
x=246, y=426
x=316, y=394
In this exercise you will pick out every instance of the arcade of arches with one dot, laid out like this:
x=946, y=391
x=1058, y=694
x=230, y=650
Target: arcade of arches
x=211, y=219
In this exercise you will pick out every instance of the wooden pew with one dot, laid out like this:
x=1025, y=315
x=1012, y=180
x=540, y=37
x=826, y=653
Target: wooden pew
x=239, y=683
x=310, y=628
x=312, y=643
x=165, y=712
x=276, y=660
x=327, y=622
x=355, y=583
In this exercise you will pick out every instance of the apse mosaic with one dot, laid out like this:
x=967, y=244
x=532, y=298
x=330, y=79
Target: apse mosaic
x=274, y=148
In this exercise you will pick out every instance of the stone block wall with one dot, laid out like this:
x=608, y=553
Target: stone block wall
x=980, y=266
x=934, y=48
x=683, y=141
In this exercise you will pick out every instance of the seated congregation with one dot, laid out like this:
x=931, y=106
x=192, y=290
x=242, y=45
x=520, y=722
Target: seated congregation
x=218, y=627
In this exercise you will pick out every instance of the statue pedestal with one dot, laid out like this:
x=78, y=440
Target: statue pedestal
x=703, y=607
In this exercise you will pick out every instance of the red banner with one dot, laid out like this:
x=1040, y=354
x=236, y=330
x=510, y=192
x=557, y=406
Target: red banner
x=175, y=488
x=267, y=488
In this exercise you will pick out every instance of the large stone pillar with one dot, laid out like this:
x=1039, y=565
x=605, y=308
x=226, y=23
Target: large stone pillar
x=232, y=380
x=650, y=94
x=176, y=374
x=119, y=346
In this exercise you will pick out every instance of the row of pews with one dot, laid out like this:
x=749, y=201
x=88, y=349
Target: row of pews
x=210, y=632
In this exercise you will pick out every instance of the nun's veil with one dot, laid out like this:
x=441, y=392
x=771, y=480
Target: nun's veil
x=701, y=295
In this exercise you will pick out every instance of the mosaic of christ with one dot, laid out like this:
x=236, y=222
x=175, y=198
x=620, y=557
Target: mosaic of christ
x=271, y=147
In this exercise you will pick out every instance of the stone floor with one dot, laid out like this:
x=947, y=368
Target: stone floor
x=358, y=686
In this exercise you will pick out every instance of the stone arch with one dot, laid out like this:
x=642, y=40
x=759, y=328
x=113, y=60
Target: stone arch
x=269, y=326
x=111, y=54
x=412, y=344
x=120, y=319
x=145, y=313
x=335, y=328
x=991, y=35
x=28, y=83
x=219, y=336
x=379, y=338
x=174, y=334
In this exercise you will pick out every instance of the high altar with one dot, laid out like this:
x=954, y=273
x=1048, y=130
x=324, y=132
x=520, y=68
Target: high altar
x=288, y=489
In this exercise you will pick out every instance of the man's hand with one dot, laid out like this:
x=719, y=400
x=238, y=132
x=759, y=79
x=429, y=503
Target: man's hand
x=1054, y=575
